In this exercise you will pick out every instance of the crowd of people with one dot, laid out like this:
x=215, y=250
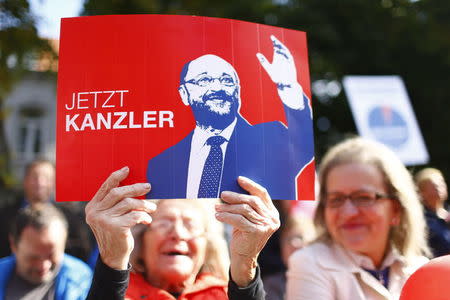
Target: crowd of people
x=374, y=225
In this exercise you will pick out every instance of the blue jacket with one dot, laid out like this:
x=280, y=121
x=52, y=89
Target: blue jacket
x=72, y=282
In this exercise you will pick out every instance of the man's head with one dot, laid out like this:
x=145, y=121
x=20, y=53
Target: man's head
x=432, y=187
x=39, y=181
x=37, y=238
x=210, y=85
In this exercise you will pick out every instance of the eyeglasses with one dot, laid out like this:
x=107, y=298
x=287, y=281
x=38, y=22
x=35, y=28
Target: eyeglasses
x=164, y=226
x=358, y=199
x=207, y=80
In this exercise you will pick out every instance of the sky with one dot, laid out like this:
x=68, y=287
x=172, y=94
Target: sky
x=50, y=12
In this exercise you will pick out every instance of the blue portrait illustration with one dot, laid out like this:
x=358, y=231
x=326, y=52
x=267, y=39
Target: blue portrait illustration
x=223, y=145
x=388, y=126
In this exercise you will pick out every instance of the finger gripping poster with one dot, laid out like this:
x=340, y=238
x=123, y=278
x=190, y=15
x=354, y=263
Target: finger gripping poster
x=187, y=103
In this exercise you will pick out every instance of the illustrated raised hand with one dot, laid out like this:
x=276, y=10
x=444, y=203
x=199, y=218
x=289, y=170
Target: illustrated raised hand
x=283, y=73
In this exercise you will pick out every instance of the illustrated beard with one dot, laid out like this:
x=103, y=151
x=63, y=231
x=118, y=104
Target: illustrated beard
x=217, y=110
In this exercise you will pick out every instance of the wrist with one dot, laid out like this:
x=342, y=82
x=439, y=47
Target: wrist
x=243, y=270
x=119, y=264
x=292, y=96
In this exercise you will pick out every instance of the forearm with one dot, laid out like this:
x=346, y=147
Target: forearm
x=300, y=132
x=243, y=270
x=292, y=95
x=254, y=290
x=108, y=283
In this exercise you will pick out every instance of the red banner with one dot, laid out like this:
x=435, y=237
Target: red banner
x=133, y=89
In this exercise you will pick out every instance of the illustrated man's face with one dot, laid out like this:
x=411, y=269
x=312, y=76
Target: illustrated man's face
x=211, y=88
x=39, y=252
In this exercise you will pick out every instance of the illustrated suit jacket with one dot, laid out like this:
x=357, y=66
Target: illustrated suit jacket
x=260, y=152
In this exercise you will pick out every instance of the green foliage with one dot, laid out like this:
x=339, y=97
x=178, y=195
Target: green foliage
x=18, y=40
x=19, y=44
x=359, y=37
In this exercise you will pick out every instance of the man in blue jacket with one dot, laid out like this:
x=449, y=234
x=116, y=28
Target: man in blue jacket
x=38, y=268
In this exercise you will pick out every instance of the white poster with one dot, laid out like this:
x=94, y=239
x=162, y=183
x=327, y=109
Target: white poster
x=383, y=112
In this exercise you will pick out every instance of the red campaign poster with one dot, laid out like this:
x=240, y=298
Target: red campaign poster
x=187, y=103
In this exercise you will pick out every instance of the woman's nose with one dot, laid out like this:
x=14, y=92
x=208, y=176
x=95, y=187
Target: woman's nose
x=348, y=208
x=180, y=231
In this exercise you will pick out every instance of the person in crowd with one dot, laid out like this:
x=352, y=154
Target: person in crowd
x=39, y=182
x=174, y=248
x=38, y=187
x=270, y=260
x=433, y=191
x=296, y=231
x=216, y=260
x=370, y=226
x=39, y=269
x=178, y=254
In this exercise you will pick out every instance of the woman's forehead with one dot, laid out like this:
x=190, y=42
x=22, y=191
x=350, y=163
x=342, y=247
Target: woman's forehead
x=178, y=208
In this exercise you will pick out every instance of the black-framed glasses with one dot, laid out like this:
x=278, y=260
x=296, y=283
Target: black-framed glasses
x=207, y=80
x=358, y=198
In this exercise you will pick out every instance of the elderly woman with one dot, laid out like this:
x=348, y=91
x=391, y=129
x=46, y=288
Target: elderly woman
x=179, y=254
x=177, y=262
x=370, y=225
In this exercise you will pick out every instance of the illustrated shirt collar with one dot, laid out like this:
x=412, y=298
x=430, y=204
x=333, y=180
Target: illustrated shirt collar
x=200, y=135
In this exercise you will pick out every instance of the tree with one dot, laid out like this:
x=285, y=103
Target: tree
x=19, y=44
x=402, y=37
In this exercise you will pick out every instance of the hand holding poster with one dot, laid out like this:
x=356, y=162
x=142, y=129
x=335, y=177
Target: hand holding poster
x=188, y=103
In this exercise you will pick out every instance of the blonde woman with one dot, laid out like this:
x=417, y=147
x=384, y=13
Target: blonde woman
x=371, y=229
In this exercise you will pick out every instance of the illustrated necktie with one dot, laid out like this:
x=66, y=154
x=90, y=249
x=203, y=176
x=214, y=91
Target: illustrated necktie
x=210, y=181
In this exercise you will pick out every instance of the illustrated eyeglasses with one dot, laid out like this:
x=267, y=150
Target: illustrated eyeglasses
x=203, y=81
x=358, y=199
x=192, y=228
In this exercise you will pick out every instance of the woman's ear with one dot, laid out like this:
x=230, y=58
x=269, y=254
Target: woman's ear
x=395, y=221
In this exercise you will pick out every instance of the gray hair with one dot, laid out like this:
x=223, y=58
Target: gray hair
x=216, y=258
